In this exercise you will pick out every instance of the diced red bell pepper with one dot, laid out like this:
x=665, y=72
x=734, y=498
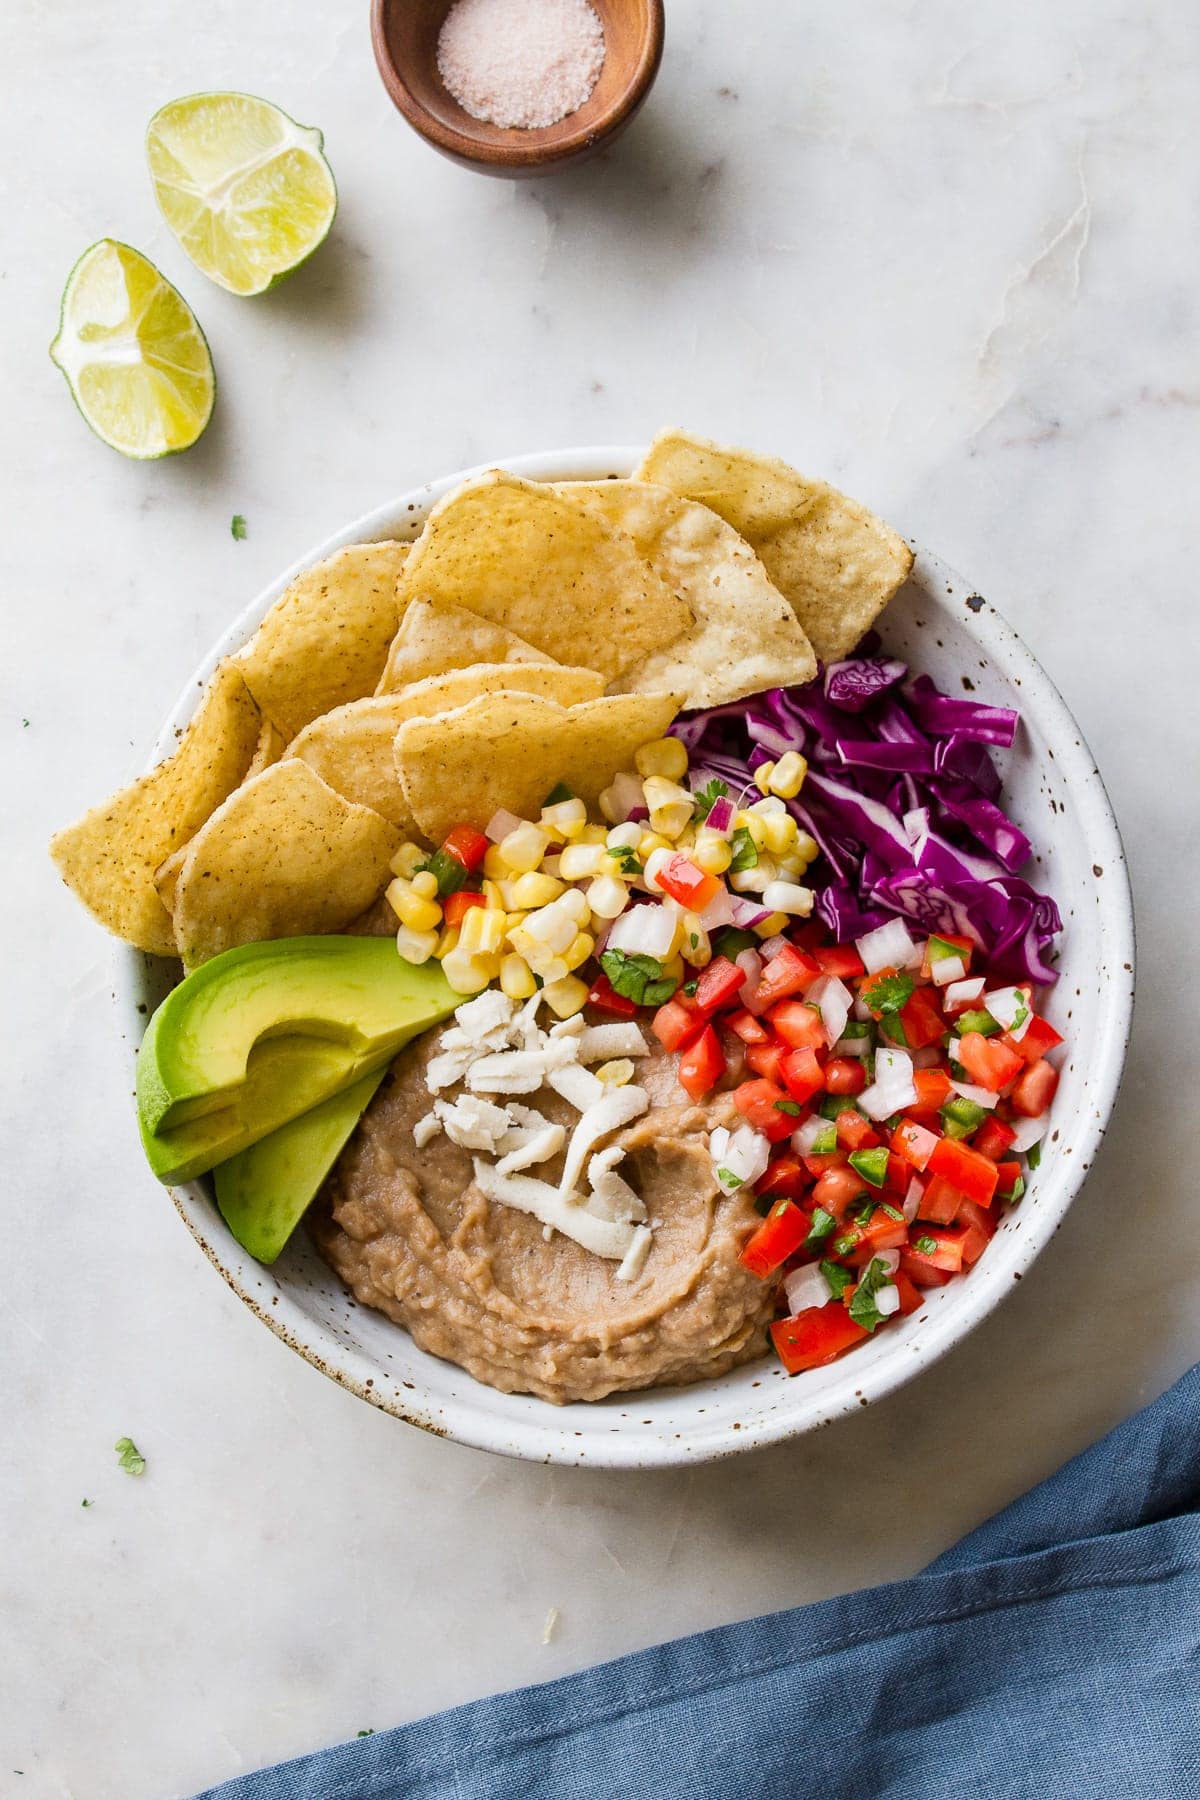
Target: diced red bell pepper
x=933, y=1090
x=816, y=1336
x=838, y=1188
x=988, y=1061
x=456, y=905
x=910, y=1298
x=788, y=973
x=702, y=1064
x=914, y=1143
x=687, y=884
x=718, y=986
x=1037, y=1039
x=798, y=1024
x=947, y=1253
x=845, y=1075
x=993, y=1138
x=675, y=1026
x=941, y=1201
x=841, y=960
x=781, y=1234
x=880, y=1233
x=963, y=945
x=802, y=1074
x=744, y=1025
x=1034, y=1090
x=854, y=1133
x=786, y=1179
x=605, y=998
x=467, y=846
x=972, y=1174
x=767, y=1059
x=757, y=1103
x=922, y=1019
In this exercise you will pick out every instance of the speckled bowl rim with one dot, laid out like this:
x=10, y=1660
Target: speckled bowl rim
x=550, y=1438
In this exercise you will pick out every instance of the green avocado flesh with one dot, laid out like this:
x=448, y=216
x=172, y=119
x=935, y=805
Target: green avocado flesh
x=354, y=992
x=264, y=1191
x=373, y=1004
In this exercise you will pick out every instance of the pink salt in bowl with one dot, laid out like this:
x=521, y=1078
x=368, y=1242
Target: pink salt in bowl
x=405, y=35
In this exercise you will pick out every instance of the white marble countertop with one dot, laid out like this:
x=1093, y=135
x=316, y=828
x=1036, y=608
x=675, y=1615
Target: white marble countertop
x=946, y=258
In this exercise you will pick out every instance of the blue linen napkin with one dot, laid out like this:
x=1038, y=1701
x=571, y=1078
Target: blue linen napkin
x=1054, y=1652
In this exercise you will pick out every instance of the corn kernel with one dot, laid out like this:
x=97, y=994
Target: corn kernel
x=494, y=865
x=579, y=861
x=696, y=946
x=483, y=930
x=649, y=842
x=712, y=854
x=580, y=949
x=626, y=836
x=666, y=757
x=670, y=806
x=790, y=865
x=550, y=865
x=516, y=977
x=532, y=889
x=787, y=775
x=447, y=942
x=772, y=925
x=566, y=996
x=781, y=833
x=424, y=884
x=607, y=897
x=807, y=848
x=753, y=881
x=617, y=1073
x=566, y=818
x=762, y=777
x=524, y=848
x=416, y=946
x=467, y=973
x=770, y=803
x=407, y=860
x=492, y=897
x=592, y=834
x=673, y=967
x=411, y=909
x=756, y=825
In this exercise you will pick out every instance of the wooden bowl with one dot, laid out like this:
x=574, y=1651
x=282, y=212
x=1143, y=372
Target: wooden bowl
x=405, y=35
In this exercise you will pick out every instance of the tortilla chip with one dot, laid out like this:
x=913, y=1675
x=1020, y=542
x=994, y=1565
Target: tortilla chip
x=745, y=637
x=832, y=560
x=509, y=750
x=326, y=641
x=269, y=749
x=284, y=856
x=556, y=573
x=271, y=746
x=432, y=640
x=352, y=747
x=109, y=857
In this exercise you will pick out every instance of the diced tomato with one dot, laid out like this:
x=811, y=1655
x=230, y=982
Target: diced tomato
x=702, y=1064
x=941, y=1201
x=798, y=1024
x=686, y=883
x=781, y=1234
x=841, y=960
x=972, y=1174
x=899, y=1174
x=757, y=1103
x=815, y=1336
x=993, y=1138
x=988, y=1061
x=921, y=1272
x=675, y=1026
x=802, y=1074
x=719, y=986
x=788, y=973
x=854, y=1133
x=913, y=1143
x=922, y=1019
x=744, y=1025
x=910, y=1298
x=1037, y=1040
x=947, y=1253
x=766, y=1059
x=605, y=998
x=786, y=1179
x=845, y=1075
x=456, y=905
x=979, y=1228
x=963, y=945
x=838, y=1188
x=467, y=846
x=1009, y=1173
x=1034, y=1090
x=880, y=1233
x=933, y=1089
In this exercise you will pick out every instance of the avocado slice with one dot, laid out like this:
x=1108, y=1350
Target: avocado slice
x=264, y=1191
x=352, y=992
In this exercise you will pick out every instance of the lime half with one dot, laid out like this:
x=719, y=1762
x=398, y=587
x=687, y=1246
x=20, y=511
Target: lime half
x=244, y=188
x=133, y=354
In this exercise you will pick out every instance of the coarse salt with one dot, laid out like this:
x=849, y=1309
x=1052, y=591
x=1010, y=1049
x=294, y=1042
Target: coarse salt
x=524, y=63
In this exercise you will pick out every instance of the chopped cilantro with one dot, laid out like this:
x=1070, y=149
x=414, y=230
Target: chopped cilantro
x=369, y=1732
x=1019, y=1017
x=863, y=1309
x=789, y=1106
x=558, y=793
x=85, y=1503
x=839, y=1279
x=1034, y=1158
x=132, y=1460
x=693, y=939
x=625, y=859
x=710, y=792
x=891, y=1212
x=745, y=851
x=925, y=1245
x=690, y=988
x=844, y=1245
x=871, y=1164
x=822, y=1224
x=25, y=724
x=728, y=1179
x=638, y=978
x=889, y=993
x=237, y=526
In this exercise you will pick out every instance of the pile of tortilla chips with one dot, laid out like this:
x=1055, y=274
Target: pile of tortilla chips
x=533, y=634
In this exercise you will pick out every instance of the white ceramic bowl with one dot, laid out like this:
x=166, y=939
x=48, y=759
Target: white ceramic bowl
x=1053, y=788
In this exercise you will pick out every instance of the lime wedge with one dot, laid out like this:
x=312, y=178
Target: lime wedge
x=244, y=188
x=133, y=355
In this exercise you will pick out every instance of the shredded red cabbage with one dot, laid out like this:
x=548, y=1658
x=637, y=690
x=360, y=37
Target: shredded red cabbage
x=902, y=797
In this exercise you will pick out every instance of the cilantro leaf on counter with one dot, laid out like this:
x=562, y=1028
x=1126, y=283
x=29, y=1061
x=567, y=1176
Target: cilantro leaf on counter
x=132, y=1460
x=237, y=526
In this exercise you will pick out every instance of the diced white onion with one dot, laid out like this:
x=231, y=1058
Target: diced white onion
x=806, y=1287
x=893, y=1087
x=719, y=910
x=887, y=947
x=911, y=1204
x=856, y=1046
x=889, y=1258
x=645, y=931
x=770, y=948
x=861, y=1011
x=963, y=994
x=745, y=1156
x=809, y=1133
x=834, y=999
x=1028, y=1133
x=619, y=800
x=887, y=1301
x=947, y=969
x=979, y=1095
x=750, y=963
x=500, y=824
x=1006, y=1006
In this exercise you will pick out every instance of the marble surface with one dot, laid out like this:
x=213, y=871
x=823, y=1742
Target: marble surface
x=947, y=258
